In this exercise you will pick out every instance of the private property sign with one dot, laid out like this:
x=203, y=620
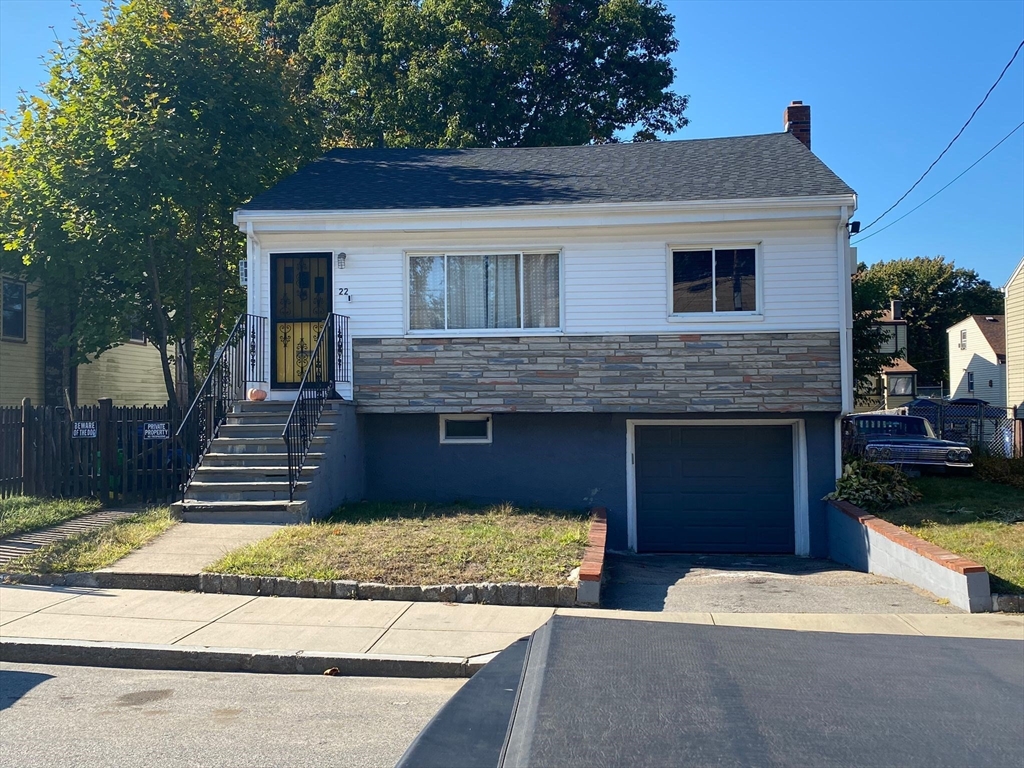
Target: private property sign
x=156, y=430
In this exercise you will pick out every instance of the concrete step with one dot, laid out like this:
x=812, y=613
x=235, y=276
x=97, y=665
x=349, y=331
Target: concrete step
x=248, y=490
x=236, y=474
x=241, y=512
x=268, y=459
x=270, y=429
x=278, y=406
x=250, y=445
x=274, y=417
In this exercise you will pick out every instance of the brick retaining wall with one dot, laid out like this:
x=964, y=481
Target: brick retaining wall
x=768, y=372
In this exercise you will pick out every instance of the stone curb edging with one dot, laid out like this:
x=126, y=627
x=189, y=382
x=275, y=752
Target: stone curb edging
x=592, y=567
x=1008, y=603
x=877, y=546
x=201, y=659
x=486, y=593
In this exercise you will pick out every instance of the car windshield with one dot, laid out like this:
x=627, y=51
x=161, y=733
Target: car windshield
x=889, y=425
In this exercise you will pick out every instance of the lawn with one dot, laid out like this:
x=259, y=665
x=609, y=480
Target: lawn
x=95, y=549
x=20, y=514
x=980, y=520
x=421, y=544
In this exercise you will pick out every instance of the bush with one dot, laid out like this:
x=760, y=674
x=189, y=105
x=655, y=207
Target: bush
x=873, y=487
x=997, y=470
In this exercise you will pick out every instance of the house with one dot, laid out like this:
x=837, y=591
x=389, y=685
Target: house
x=130, y=373
x=896, y=385
x=663, y=329
x=1014, y=319
x=977, y=359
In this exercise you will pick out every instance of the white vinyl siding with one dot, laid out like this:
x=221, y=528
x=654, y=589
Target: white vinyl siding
x=978, y=358
x=614, y=280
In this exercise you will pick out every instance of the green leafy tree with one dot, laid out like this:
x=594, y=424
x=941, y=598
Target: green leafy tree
x=935, y=295
x=506, y=73
x=868, y=301
x=120, y=181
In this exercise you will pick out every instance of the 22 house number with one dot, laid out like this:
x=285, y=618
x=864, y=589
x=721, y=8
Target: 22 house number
x=344, y=292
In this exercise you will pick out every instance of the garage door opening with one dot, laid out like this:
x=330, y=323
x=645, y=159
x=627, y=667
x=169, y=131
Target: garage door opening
x=714, y=489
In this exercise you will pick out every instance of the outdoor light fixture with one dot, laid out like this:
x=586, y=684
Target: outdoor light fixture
x=854, y=227
x=341, y=259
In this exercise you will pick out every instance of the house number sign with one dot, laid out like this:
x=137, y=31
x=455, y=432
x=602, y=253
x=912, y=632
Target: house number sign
x=156, y=430
x=83, y=429
x=343, y=292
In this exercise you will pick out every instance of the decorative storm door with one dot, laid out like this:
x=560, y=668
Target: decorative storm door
x=300, y=289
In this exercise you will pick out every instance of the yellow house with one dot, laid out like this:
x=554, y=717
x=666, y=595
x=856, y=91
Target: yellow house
x=130, y=373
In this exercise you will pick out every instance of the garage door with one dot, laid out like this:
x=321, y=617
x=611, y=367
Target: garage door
x=714, y=489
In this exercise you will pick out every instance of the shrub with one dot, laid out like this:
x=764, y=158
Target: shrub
x=873, y=487
x=997, y=470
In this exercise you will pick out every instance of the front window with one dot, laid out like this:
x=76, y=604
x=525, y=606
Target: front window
x=901, y=385
x=14, y=310
x=484, y=291
x=970, y=381
x=714, y=280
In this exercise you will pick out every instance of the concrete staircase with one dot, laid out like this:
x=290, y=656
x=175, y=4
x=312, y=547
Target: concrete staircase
x=244, y=475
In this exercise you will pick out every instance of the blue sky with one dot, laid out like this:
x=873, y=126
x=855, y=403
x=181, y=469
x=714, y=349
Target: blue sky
x=889, y=84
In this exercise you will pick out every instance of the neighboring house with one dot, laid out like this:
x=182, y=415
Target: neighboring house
x=130, y=373
x=897, y=384
x=1014, y=318
x=977, y=359
x=663, y=328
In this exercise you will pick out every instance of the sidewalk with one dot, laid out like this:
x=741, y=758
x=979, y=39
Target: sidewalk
x=80, y=625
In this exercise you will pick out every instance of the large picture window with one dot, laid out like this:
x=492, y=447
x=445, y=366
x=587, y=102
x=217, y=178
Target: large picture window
x=714, y=280
x=14, y=310
x=483, y=291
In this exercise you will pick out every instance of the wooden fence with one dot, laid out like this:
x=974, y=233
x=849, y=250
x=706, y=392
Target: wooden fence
x=118, y=455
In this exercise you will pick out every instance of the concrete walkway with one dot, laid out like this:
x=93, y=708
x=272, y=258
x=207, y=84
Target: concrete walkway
x=187, y=548
x=19, y=544
x=195, y=620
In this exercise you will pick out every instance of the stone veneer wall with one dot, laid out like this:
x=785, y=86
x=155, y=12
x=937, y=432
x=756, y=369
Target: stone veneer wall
x=768, y=372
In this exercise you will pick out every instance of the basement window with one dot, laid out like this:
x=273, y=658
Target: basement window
x=465, y=428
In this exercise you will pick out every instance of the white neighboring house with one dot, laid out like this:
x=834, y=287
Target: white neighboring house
x=977, y=359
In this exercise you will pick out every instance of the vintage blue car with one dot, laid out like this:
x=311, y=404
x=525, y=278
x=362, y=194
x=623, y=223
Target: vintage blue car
x=903, y=440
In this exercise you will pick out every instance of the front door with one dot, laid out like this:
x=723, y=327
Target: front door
x=300, y=290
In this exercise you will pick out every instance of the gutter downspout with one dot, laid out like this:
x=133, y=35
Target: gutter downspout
x=845, y=331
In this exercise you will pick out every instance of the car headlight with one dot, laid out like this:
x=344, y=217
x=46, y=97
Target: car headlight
x=871, y=451
x=965, y=455
x=952, y=455
x=886, y=453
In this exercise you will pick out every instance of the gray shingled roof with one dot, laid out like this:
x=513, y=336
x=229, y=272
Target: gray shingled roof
x=769, y=166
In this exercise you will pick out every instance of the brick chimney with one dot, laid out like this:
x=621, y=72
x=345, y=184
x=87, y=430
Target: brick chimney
x=797, y=120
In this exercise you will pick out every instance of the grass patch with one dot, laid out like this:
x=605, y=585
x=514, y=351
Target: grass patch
x=96, y=549
x=421, y=544
x=980, y=520
x=20, y=514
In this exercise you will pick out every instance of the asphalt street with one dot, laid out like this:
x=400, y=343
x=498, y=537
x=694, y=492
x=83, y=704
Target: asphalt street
x=57, y=717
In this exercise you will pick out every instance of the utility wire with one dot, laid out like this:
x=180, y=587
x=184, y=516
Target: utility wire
x=965, y=170
x=936, y=160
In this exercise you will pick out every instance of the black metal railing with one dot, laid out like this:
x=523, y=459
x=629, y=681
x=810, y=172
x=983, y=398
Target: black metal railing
x=327, y=366
x=239, y=361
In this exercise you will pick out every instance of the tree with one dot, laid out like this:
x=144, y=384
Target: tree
x=120, y=181
x=868, y=301
x=935, y=295
x=504, y=73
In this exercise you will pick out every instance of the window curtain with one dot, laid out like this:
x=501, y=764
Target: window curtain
x=540, y=290
x=483, y=291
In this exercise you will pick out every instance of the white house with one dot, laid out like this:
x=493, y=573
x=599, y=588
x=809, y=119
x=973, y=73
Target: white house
x=662, y=329
x=977, y=359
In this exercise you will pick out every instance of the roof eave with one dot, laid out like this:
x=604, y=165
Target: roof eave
x=320, y=218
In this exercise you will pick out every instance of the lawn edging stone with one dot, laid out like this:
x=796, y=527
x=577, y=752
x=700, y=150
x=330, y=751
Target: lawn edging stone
x=870, y=544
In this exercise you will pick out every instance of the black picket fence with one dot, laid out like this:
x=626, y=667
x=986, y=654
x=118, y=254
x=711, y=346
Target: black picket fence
x=125, y=454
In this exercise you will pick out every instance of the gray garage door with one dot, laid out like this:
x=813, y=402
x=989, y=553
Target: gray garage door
x=714, y=489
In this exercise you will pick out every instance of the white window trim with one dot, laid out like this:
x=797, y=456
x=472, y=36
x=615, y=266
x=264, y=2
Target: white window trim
x=801, y=510
x=472, y=332
x=444, y=418
x=715, y=317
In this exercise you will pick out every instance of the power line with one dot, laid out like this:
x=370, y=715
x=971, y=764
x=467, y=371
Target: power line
x=936, y=160
x=965, y=170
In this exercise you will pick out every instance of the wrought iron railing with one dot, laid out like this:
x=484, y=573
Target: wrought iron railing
x=239, y=361
x=326, y=368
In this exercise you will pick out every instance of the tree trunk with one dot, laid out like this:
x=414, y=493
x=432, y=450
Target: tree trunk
x=160, y=321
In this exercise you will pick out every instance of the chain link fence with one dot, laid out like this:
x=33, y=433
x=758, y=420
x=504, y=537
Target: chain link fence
x=986, y=429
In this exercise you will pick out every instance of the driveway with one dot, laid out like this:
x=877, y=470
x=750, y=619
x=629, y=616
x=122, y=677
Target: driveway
x=755, y=584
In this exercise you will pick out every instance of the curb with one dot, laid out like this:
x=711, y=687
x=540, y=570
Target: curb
x=196, y=659
x=1008, y=603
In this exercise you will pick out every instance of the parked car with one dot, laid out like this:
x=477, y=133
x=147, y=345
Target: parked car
x=904, y=440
